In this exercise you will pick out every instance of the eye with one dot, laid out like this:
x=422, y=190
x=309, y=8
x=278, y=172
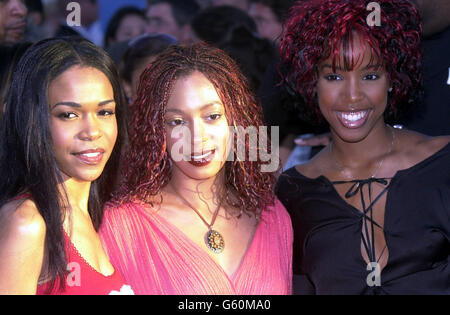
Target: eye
x=332, y=77
x=176, y=122
x=67, y=115
x=214, y=116
x=371, y=77
x=106, y=112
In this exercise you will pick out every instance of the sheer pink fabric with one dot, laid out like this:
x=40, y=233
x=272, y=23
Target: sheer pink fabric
x=155, y=257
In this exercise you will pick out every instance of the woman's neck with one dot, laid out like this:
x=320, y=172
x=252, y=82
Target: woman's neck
x=200, y=193
x=378, y=142
x=77, y=194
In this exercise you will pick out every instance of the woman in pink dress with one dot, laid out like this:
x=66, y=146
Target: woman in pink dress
x=195, y=215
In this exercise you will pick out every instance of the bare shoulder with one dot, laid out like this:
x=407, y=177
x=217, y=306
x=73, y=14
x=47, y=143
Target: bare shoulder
x=22, y=243
x=415, y=147
x=21, y=222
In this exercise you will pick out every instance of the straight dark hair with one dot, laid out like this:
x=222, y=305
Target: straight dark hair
x=27, y=161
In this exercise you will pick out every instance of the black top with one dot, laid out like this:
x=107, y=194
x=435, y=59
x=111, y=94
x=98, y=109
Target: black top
x=327, y=233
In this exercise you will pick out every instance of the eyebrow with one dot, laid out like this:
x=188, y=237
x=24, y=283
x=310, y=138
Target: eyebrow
x=77, y=105
x=175, y=110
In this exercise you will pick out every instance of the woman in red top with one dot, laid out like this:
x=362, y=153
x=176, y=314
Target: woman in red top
x=60, y=146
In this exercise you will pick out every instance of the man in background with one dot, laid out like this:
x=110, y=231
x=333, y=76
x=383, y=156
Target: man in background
x=13, y=15
x=172, y=17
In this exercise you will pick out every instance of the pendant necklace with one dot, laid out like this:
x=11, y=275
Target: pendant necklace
x=213, y=239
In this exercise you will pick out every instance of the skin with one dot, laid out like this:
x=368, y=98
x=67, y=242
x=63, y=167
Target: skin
x=356, y=153
x=81, y=117
x=13, y=15
x=267, y=22
x=195, y=104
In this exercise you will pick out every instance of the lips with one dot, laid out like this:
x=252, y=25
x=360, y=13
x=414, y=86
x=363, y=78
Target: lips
x=353, y=119
x=91, y=156
x=16, y=27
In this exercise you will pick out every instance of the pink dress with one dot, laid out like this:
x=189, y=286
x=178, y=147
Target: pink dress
x=155, y=257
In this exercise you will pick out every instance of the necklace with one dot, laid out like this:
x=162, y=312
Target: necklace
x=213, y=239
x=341, y=169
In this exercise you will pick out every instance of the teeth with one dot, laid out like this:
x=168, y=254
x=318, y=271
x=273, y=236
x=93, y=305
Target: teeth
x=354, y=116
x=91, y=155
x=198, y=157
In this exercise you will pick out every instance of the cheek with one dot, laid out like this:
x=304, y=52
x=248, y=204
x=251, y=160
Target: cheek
x=60, y=137
x=379, y=95
x=326, y=96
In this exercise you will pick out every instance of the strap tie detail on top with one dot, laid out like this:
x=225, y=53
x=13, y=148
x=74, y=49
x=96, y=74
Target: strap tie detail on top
x=368, y=238
x=359, y=183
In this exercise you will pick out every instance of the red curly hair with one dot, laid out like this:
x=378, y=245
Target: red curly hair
x=316, y=29
x=147, y=167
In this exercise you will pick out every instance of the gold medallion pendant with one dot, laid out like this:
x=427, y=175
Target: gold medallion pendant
x=214, y=241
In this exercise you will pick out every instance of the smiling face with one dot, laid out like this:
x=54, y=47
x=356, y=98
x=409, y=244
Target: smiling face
x=353, y=99
x=197, y=130
x=82, y=122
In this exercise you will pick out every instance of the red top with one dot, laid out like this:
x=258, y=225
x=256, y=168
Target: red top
x=83, y=279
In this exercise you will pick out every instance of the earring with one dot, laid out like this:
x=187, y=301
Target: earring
x=390, y=89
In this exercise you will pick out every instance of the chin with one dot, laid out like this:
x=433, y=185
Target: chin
x=201, y=172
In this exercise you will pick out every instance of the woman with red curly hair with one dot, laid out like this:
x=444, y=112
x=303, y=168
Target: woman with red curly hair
x=189, y=219
x=370, y=211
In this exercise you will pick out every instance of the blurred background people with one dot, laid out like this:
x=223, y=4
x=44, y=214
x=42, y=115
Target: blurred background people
x=234, y=31
x=172, y=17
x=9, y=56
x=140, y=53
x=240, y=4
x=13, y=15
x=90, y=27
x=269, y=16
x=127, y=23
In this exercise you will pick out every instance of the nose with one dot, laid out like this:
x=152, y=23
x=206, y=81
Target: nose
x=199, y=137
x=354, y=91
x=18, y=8
x=91, y=129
